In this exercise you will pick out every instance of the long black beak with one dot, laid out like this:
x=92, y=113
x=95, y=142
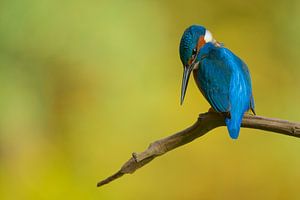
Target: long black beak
x=185, y=80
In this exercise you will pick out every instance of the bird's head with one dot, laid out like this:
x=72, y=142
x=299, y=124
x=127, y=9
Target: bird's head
x=193, y=39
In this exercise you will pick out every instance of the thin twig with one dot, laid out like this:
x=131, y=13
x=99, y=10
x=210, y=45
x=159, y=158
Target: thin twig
x=205, y=123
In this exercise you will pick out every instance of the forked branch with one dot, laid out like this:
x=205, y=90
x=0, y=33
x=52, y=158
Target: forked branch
x=205, y=123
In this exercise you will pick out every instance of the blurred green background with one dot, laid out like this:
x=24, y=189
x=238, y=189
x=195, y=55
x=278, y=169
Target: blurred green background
x=85, y=83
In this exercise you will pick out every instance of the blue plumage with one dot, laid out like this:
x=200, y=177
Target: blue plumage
x=221, y=76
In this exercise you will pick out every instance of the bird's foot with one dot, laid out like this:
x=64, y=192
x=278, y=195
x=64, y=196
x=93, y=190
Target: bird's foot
x=212, y=110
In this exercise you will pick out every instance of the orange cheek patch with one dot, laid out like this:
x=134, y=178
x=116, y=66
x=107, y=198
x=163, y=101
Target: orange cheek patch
x=201, y=42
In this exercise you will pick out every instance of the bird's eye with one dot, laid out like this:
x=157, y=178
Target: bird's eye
x=194, y=51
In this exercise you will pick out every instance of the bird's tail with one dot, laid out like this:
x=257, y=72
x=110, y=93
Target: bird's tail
x=233, y=125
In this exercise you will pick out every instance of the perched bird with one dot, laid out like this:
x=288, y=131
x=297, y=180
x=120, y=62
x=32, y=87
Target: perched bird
x=222, y=77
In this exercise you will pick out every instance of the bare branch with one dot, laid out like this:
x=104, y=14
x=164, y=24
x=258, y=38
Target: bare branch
x=205, y=123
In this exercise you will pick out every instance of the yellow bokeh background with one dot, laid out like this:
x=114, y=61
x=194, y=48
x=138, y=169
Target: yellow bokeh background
x=83, y=84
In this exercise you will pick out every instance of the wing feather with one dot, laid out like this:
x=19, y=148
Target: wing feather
x=214, y=76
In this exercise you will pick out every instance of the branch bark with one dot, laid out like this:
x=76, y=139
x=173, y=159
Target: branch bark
x=205, y=123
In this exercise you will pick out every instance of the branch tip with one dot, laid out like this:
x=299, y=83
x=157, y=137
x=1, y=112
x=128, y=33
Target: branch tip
x=118, y=174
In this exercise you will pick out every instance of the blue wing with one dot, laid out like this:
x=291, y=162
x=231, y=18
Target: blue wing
x=225, y=82
x=213, y=78
x=247, y=75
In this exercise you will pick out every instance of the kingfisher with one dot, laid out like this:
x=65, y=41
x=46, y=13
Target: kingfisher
x=221, y=76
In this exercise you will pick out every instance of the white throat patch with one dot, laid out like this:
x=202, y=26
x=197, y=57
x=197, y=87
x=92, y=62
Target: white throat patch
x=196, y=65
x=208, y=36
